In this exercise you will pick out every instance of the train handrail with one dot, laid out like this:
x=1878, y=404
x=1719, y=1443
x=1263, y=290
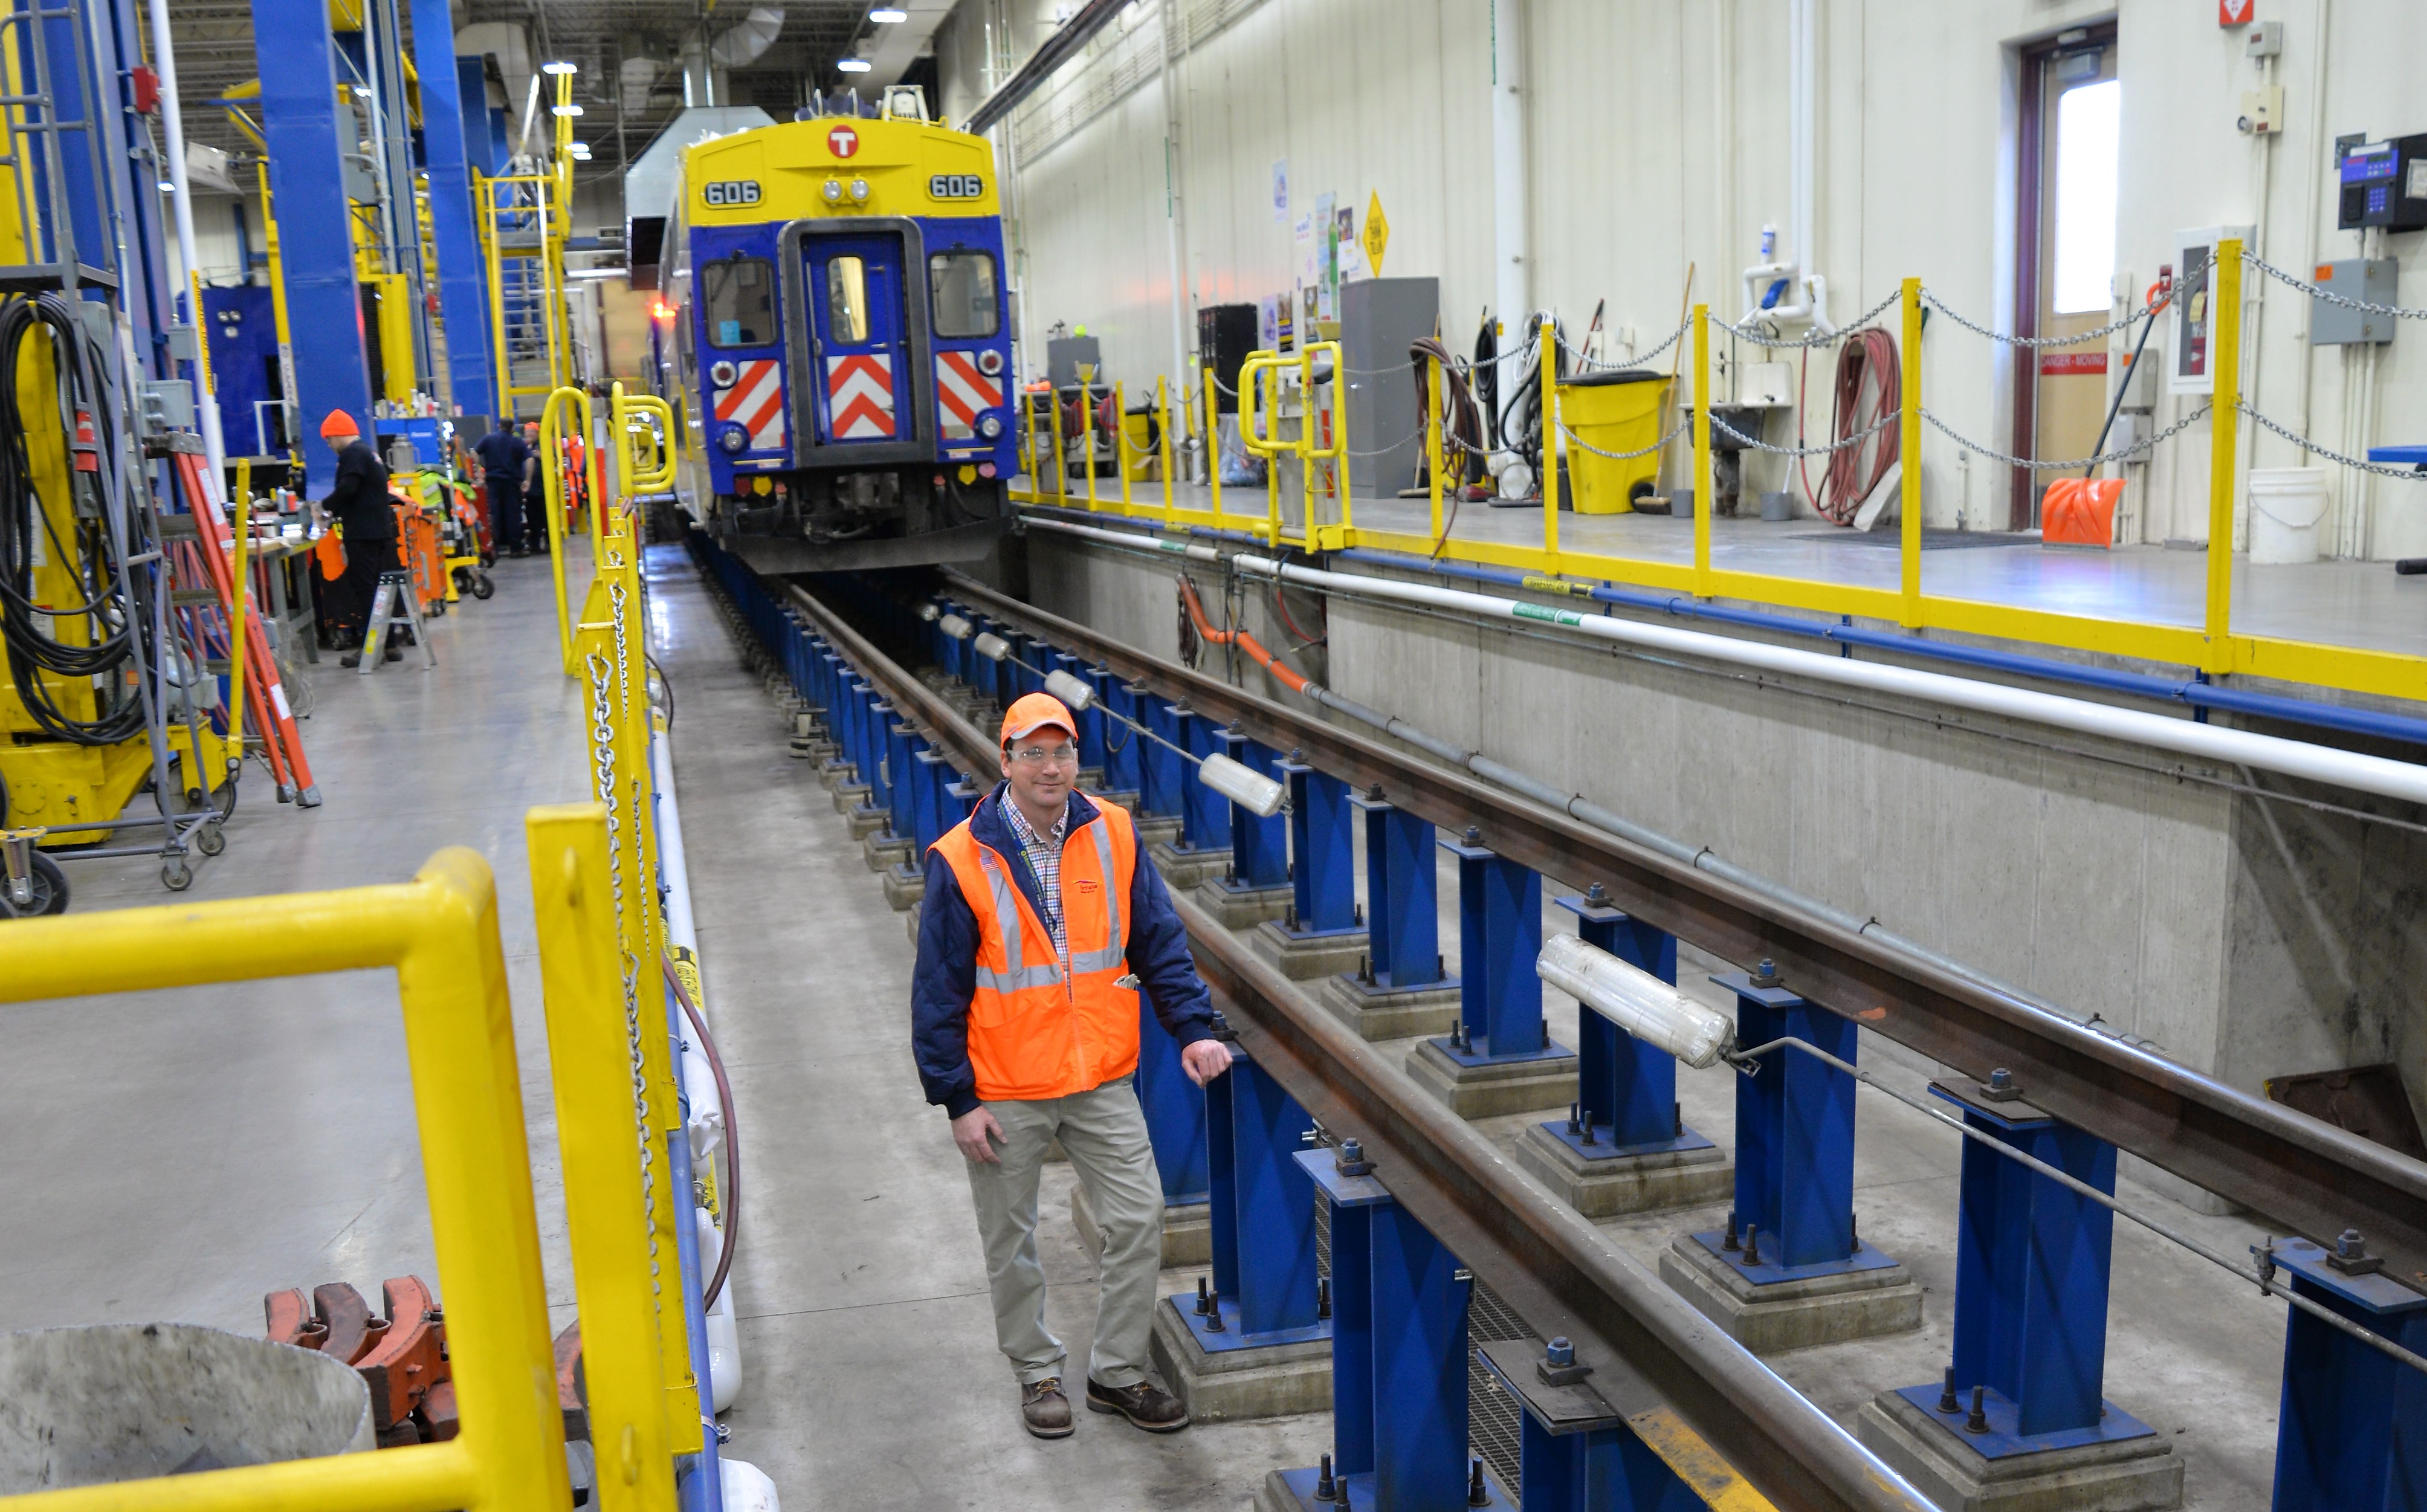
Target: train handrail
x=624, y=413
x=439, y=933
x=1260, y=442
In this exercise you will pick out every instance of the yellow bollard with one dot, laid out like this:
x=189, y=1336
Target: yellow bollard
x=1701, y=451
x=1162, y=432
x=1549, y=367
x=2223, y=418
x=1121, y=442
x=1213, y=438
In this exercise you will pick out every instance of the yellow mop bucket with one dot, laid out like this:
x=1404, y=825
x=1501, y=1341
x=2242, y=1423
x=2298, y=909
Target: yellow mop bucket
x=1617, y=410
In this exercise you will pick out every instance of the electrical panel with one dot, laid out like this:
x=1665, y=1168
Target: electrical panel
x=2384, y=183
x=2368, y=280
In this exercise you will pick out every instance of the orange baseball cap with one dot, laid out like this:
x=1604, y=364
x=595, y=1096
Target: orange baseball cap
x=1031, y=712
x=338, y=424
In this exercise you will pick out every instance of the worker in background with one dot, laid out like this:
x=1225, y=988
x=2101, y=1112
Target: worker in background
x=507, y=469
x=1040, y=923
x=359, y=502
x=535, y=490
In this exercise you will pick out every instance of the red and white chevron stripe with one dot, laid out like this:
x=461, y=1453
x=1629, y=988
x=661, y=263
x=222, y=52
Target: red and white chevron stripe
x=859, y=396
x=963, y=394
x=755, y=401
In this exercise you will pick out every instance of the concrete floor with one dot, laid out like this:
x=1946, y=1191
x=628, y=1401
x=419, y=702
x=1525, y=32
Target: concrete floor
x=179, y=1154
x=2333, y=603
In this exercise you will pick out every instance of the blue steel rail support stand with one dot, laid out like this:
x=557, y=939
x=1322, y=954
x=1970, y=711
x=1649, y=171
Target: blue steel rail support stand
x=1203, y=847
x=1577, y=1450
x=1498, y=1058
x=1789, y=1268
x=1400, y=987
x=1624, y=1147
x=1257, y=1342
x=1174, y=1112
x=1255, y=884
x=1398, y=1359
x=1124, y=748
x=2021, y=1402
x=2353, y=1430
x=1322, y=932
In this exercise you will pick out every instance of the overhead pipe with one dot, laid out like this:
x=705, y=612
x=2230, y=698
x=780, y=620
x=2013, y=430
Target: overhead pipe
x=1051, y=53
x=1808, y=292
x=181, y=197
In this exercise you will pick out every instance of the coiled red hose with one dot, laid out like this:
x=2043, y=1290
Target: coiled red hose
x=1869, y=386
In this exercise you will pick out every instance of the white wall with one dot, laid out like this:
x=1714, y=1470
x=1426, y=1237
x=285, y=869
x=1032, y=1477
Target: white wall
x=1657, y=137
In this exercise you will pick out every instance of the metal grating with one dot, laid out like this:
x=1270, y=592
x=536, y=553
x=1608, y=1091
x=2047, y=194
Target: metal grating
x=1493, y=1415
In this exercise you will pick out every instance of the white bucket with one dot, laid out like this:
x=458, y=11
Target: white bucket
x=2286, y=504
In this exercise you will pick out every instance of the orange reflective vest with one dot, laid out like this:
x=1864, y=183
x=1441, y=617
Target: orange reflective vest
x=1035, y=1032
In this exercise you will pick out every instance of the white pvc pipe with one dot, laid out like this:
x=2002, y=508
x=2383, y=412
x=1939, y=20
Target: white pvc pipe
x=1134, y=540
x=2206, y=742
x=1509, y=216
x=181, y=196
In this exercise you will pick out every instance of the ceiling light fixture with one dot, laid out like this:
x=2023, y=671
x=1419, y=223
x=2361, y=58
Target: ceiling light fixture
x=853, y=65
x=885, y=15
x=568, y=109
x=559, y=68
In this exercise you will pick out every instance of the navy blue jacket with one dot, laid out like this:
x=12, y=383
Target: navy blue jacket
x=946, y=977
x=502, y=455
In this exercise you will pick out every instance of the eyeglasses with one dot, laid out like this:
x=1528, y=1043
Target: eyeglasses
x=1037, y=756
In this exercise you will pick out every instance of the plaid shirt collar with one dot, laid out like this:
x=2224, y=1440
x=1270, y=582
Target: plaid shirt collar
x=1044, y=856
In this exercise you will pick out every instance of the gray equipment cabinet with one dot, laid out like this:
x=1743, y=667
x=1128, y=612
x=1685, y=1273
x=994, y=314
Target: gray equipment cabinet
x=1380, y=319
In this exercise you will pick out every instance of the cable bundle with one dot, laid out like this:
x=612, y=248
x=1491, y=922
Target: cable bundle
x=28, y=536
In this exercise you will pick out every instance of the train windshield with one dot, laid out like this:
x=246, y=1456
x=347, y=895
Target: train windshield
x=741, y=297
x=962, y=287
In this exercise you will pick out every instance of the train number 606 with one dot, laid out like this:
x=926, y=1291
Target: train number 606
x=731, y=191
x=956, y=186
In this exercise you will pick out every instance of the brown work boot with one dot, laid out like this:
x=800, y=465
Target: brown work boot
x=1146, y=1405
x=1045, y=1409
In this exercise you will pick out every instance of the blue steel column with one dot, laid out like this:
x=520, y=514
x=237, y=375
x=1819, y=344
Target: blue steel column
x=1420, y=1349
x=297, y=56
x=1323, y=877
x=1401, y=899
x=1794, y=1127
x=1205, y=818
x=2352, y=1429
x=462, y=278
x=1174, y=1111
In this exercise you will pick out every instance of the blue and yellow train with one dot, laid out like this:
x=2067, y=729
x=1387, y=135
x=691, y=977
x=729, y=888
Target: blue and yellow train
x=841, y=342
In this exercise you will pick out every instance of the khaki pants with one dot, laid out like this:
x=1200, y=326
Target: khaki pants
x=1103, y=1131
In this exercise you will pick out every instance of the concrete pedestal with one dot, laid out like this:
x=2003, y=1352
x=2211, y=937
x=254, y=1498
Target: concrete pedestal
x=1379, y=1012
x=1155, y=829
x=1292, y=1491
x=834, y=769
x=1187, y=1231
x=903, y=887
x=1856, y=1300
x=2120, y=1466
x=1602, y=1181
x=1308, y=955
x=1227, y=1385
x=810, y=748
x=1124, y=799
x=864, y=820
x=884, y=851
x=847, y=795
x=1237, y=907
x=1183, y=870
x=1475, y=1087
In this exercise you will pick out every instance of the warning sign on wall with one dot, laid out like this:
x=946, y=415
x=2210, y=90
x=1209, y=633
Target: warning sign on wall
x=1377, y=232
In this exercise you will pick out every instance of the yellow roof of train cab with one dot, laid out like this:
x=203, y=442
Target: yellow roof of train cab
x=838, y=166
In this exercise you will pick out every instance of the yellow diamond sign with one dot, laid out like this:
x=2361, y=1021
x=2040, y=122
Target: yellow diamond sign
x=1377, y=232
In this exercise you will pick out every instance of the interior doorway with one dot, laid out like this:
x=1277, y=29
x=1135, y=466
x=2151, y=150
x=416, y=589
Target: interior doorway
x=2069, y=143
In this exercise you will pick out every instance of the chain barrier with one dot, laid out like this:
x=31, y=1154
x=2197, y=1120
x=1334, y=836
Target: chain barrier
x=1592, y=365
x=2062, y=465
x=2381, y=469
x=1575, y=440
x=2108, y=329
x=1815, y=338
x=2400, y=312
x=602, y=738
x=1413, y=435
x=1856, y=439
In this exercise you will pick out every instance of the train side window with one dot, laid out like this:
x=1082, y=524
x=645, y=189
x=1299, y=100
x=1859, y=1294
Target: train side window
x=846, y=300
x=961, y=286
x=741, y=297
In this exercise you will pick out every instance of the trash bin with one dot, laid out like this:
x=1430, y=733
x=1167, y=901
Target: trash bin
x=2286, y=504
x=1618, y=410
x=123, y=1402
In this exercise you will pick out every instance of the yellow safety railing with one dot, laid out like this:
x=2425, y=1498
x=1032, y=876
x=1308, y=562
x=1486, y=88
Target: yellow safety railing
x=631, y=1323
x=561, y=403
x=1324, y=537
x=439, y=933
x=1264, y=440
x=633, y=416
x=2212, y=645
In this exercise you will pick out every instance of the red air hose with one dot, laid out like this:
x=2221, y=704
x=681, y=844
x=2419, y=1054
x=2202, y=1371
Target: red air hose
x=1869, y=386
x=1241, y=638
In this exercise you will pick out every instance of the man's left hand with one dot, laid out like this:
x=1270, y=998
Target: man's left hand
x=1204, y=1060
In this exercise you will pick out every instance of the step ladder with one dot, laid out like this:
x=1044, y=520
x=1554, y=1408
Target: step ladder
x=394, y=604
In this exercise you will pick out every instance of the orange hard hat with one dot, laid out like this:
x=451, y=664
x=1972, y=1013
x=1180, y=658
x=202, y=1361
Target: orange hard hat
x=1031, y=712
x=338, y=424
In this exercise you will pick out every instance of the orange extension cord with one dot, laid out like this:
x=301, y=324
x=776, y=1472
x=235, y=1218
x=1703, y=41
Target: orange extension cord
x=1245, y=642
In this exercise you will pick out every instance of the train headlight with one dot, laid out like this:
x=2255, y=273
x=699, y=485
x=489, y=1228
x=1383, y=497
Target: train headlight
x=833, y=192
x=990, y=426
x=859, y=190
x=989, y=362
x=733, y=438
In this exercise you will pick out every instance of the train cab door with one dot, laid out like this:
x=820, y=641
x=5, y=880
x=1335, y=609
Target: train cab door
x=861, y=340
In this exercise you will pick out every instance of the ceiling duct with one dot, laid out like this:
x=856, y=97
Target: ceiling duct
x=747, y=40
